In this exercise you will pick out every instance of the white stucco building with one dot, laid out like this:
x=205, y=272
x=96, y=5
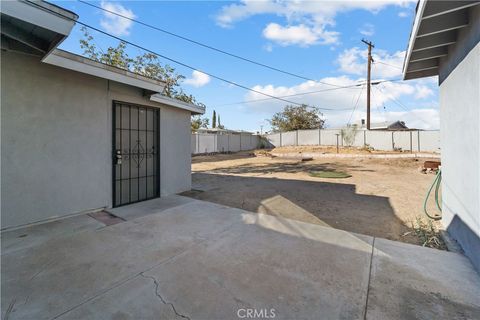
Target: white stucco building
x=444, y=42
x=76, y=134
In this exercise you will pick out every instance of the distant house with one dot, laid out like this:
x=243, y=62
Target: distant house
x=392, y=126
x=77, y=134
x=386, y=125
x=222, y=131
x=445, y=42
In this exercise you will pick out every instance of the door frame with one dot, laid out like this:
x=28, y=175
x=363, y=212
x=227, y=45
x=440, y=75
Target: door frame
x=113, y=150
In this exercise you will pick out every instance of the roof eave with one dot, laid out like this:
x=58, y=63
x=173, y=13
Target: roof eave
x=44, y=15
x=413, y=35
x=81, y=64
x=435, y=29
x=194, y=109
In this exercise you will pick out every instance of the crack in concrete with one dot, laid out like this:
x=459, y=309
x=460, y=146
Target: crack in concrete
x=369, y=278
x=161, y=298
x=121, y=282
x=10, y=308
x=43, y=268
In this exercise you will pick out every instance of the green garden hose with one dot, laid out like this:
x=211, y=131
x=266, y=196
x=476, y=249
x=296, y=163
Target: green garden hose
x=436, y=182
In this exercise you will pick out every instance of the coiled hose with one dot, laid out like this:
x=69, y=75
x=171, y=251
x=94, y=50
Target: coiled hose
x=436, y=182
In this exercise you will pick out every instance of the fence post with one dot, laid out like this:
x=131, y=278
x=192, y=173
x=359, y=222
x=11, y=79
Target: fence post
x=296, y=138
x=411, y=142
x=228, y=142
x=364, y=138
x=319, y=136
x=418, y=139
x=197, y=147
x=337, y=134
x=280, y=138
x=393, y=142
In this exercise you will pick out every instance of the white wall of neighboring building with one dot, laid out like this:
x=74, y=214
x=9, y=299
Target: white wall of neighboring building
x=459, y=78
x=460, y=140
x=56, y=130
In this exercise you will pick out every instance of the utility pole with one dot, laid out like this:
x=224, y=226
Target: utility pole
x=369, y=69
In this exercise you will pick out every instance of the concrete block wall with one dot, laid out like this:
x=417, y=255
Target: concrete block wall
x=329, y=137
x=417, y=141
x=309, y=137
x=202, y=143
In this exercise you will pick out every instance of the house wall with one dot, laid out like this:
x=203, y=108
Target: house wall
x=56, y=131
x=460, y=143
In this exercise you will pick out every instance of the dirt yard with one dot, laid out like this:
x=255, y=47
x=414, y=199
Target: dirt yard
x=381, y=198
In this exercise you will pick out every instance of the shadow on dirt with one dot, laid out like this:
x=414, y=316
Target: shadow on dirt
x=282, y=166
x=325, y=203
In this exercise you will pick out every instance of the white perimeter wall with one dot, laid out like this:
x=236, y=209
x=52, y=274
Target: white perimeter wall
x=202, y=143
x=427, y=141
x=56, y=132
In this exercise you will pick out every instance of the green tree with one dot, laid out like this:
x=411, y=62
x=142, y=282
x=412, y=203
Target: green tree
x=198, y=122
x=220, y=125
x=296, y=118
x=214, y=119
x=146, y=64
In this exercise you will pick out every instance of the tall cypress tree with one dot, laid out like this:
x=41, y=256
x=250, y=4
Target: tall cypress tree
x=214, y=119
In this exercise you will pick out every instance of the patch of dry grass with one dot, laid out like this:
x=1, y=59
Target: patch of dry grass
x=427, y=232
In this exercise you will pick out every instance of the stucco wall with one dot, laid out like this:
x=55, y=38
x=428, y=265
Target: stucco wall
x=56, y=141
x=460, y=141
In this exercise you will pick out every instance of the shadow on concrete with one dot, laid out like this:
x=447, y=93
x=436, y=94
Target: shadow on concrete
x=324, y=203
x=467, y=239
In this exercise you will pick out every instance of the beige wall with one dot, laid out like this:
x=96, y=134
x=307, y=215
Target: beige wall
x=56, y=141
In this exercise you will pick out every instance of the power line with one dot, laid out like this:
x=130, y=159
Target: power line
x=309, y=92
x=388, y=64
x=394, y=100
x=397, y=102
x=167, y=58
x=188, y=66
x=290, y=95
x=204, y=45
x=181, y=63
x=355, y=107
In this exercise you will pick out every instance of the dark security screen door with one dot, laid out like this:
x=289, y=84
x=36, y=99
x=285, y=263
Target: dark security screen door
x=135, y=153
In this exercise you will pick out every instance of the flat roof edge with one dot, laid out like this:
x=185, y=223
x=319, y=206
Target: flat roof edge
x=177, y=103
x=42, y=14
x=413, y=35
x=81, y=64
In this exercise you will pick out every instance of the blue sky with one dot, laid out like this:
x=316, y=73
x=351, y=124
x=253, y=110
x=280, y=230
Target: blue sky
x=320, y=40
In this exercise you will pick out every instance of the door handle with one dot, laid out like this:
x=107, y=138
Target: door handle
x=118, y=156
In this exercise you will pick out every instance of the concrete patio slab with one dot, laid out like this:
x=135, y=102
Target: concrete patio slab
x=412, y=282
x=56, y=276
x=253, y=267
x=134, y=299
x=153, y=206
x=33, y=235
x=200, y=260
